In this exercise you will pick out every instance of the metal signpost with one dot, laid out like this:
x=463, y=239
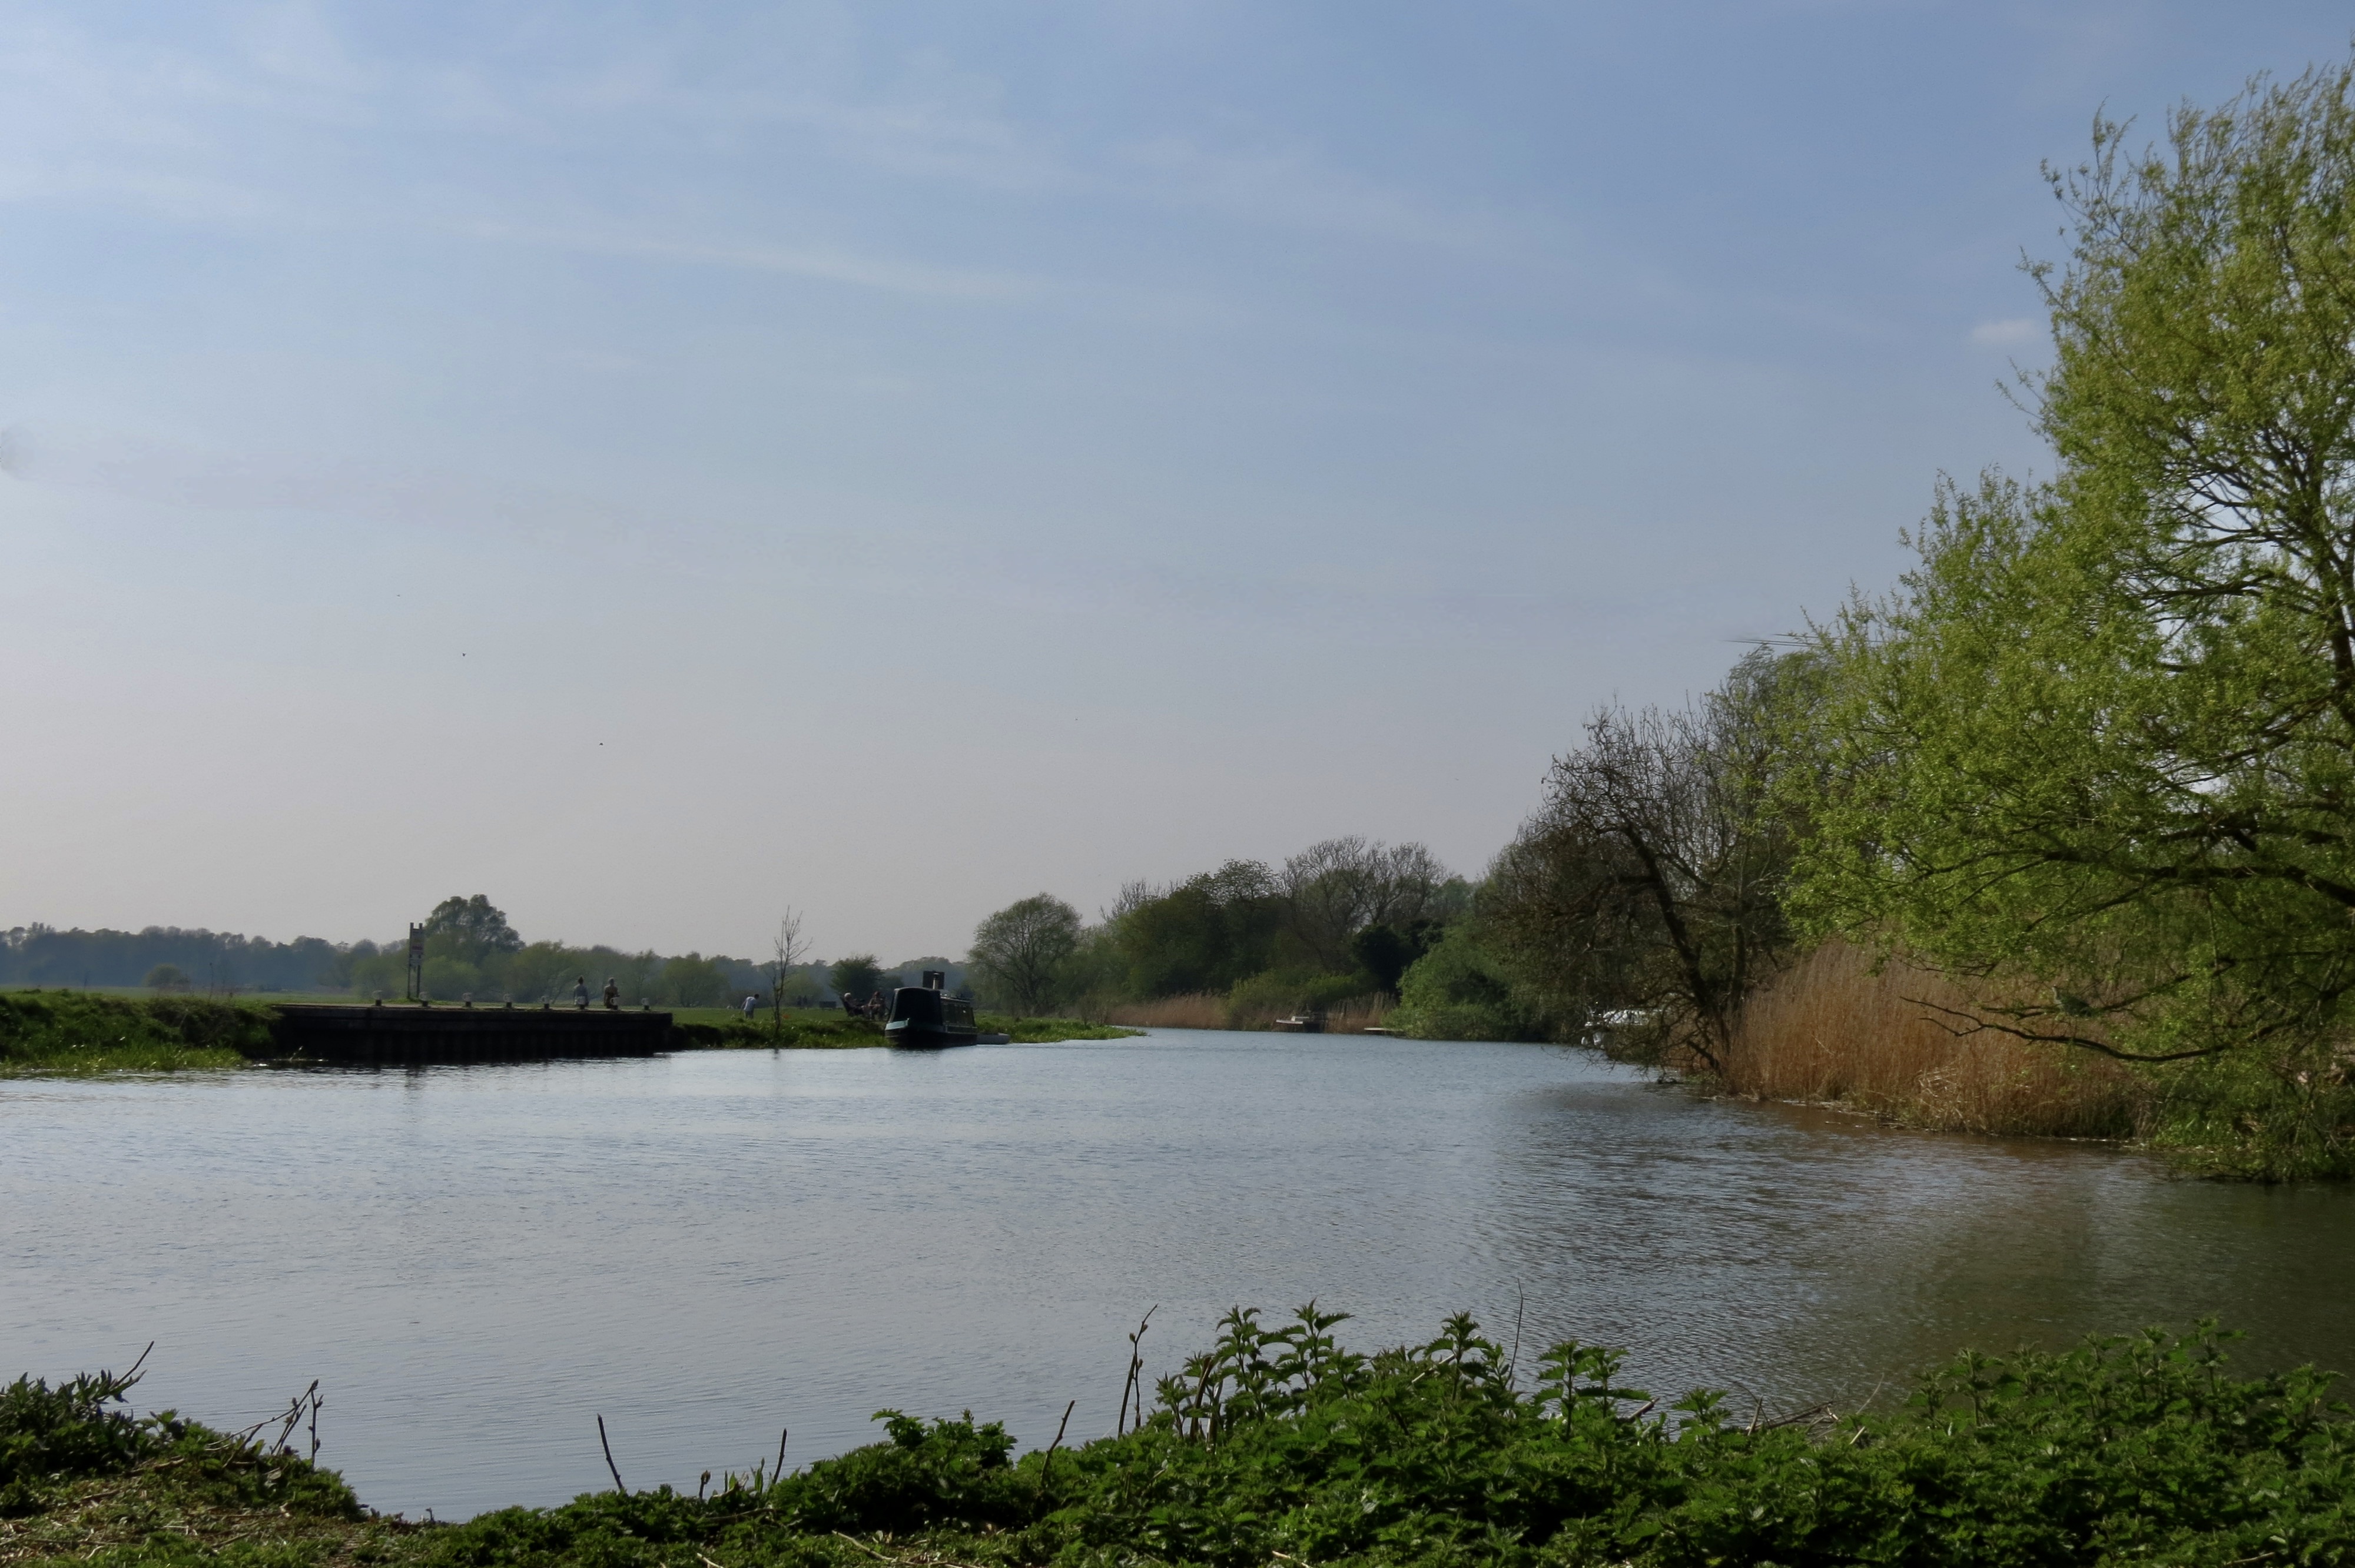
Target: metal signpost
x=416, y=961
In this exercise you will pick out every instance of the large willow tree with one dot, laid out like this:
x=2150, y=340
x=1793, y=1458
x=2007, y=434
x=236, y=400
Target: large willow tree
x=2100, y=749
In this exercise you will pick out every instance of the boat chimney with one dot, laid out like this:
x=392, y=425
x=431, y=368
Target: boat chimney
x=936, y=979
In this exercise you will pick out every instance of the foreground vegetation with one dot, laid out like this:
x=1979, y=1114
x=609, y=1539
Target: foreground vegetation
x=1279, y=1446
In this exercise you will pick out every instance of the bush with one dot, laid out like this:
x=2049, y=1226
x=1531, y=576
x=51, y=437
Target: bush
x=1455, y=993
x=70, y=1030
x=2240, y=1117
x=1278, y=1446
x=52, y=1434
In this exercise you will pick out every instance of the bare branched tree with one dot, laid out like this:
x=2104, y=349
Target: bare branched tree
x=787, y=953
x=1336, y=889
x=1651, y=878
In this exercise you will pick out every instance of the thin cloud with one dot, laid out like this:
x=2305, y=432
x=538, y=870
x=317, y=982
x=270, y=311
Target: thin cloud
x=2019, y=329
x=167, y=474
x=830, y=266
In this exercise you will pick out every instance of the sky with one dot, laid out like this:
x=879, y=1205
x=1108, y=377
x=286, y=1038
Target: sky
x=664, y=465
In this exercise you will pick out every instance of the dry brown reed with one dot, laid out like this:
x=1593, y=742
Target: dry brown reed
x=1358, y=1015
x=1830, y=1031
x=1208, y=1009
x=1195, y=1009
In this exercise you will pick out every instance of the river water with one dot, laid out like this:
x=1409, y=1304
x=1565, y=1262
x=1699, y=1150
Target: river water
x=705, y=1247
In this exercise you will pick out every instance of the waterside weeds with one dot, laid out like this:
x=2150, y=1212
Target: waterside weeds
x=82, y=1032
x=1279, y=1446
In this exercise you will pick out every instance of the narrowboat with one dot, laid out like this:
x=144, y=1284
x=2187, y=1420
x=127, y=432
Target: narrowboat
x=926, y=1017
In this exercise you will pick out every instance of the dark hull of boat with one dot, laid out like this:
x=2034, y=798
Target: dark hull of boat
x=922, y=1019
x=927, y=1036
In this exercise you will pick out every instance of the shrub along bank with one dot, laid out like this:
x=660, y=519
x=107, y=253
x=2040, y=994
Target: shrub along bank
x=80, y=1032
x=1277, y=1446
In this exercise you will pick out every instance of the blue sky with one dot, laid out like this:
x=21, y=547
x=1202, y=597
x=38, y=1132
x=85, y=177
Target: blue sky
x=657, y=464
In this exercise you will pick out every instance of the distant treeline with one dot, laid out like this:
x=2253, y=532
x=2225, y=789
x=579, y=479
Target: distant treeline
x=470, y=949
x=1343, y=926
x=210, y=960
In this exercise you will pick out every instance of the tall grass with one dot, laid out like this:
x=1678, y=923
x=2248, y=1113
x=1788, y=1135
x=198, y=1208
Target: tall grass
x=1830, y=1030
x=1208, y=1009
x=1195, y=1009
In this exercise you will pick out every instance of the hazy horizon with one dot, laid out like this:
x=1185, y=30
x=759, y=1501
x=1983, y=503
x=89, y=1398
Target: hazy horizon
x=656, y=468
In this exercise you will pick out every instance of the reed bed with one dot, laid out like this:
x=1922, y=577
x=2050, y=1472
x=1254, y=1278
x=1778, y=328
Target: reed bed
x=1831, y=1031
x=1358, y=1015
x=1209, y=1010
x=1195, y=1009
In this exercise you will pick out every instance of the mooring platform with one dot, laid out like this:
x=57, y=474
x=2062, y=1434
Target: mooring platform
x=404, y=1035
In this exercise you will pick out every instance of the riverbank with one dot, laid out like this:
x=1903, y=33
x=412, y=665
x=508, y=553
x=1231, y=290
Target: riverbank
x=86, y=1032
x=1834, y=1031
x=1278, y=1446
x=66, y=1031
x=1217, y=1010
x=720, y=1030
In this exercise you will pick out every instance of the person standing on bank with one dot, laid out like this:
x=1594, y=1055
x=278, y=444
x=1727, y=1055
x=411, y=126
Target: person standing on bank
x=613, y=995
x=581, y=991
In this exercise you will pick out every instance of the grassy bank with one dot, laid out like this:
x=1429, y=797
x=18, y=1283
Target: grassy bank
x=82, y=1032
x=1831, y=1031
x=1279, y=1448
x=85, y=1032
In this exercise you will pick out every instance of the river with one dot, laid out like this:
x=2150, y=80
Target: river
x=477, y=1262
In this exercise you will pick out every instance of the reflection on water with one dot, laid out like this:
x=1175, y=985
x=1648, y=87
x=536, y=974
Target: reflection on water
x=706, y=1246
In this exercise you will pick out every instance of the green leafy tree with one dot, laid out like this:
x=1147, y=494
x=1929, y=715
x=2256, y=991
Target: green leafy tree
x=541, y=971
x=470, y=931
x=2099, y=751
x=1204, y=934
x=167, y=979
x=692, y=981
x=447, y=979
x=1458, y=990
x=856, y=978
x=1019, y=953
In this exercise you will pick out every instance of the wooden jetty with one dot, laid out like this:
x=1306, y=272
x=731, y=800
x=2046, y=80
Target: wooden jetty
x=411, y=1036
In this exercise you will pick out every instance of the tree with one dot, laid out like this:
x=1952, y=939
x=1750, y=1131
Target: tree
x=1651, y=877
x=1204, y=934
x=1018, y=953
x=1335, y=889
x=787, y=953
x=1456, y=991
x=166, y=978
x=471, y=931
x=1386, y=952
x=856, y=978
x=692, y=981
x=2099, y=751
